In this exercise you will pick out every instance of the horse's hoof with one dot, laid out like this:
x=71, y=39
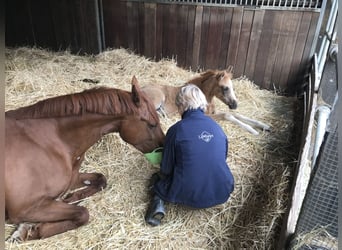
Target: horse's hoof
x=14, y=239
x=87, y=182
x=20, y=234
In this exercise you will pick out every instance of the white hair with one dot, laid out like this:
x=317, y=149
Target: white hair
x=191, y=97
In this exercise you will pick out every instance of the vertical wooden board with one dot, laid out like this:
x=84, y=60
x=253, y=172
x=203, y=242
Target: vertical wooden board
x=182, y=26
x=18, y=18
x=204, y=36
x=150, y=30
x=277, y=26
x=123, y=25
x=63, y=24
x=239, y=68
x=75, y=30
x=141, y=27
x=197, y=37
x=159, y=32
x=311, y=35
x=107, y=19
x=306, y=58
x=115, y=24
x=137, y=33
x=263, y=51
x=88, y=23
x=132, y=25
x=42, y=24
x=78, y=28
x=299, y=51
x=228, y=14
x=293, y=27
x=172, y=31
x=166, y=31
x=280, y=53
x=285, y=48
x=214, y=37
x=190, y=34
x=74, y=7
x=234, y=36
x=254, y=43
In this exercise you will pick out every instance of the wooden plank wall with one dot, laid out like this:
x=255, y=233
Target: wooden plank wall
x=270, y=47
x=56, y=25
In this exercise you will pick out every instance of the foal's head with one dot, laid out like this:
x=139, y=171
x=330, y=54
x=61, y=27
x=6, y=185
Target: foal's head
x=143, y=131
x=224, y=88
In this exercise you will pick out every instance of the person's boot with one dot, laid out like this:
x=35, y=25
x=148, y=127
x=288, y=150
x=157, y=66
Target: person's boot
x=156, y=212
x=154, y=178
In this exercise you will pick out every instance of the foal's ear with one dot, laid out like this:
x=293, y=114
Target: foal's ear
x=220, y=75
x=136, y=91
x=230, y=69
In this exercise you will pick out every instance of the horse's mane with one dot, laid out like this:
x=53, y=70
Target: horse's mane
x=101, y=100
x=207, y=74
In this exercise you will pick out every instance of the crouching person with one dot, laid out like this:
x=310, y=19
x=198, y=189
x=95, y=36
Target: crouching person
x=193, y=170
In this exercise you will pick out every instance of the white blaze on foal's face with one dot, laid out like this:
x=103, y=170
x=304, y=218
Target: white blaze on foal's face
x=227, y=94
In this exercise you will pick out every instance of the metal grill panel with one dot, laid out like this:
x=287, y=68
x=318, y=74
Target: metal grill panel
x=317, y=227
x=311, y=4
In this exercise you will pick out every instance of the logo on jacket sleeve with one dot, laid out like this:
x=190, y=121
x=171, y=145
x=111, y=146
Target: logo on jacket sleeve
x=205, y=136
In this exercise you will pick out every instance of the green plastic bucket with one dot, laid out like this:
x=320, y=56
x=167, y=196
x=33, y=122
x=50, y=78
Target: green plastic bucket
x=155, y=157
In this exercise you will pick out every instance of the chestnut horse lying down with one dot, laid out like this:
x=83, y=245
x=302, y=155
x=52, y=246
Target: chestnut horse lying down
x=45, y=146
x=213, y=83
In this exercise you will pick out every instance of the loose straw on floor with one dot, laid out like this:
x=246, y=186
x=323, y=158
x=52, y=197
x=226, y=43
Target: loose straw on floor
x=262, y=165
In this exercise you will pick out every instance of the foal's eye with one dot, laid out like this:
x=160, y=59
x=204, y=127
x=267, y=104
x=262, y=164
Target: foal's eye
x=225, y=88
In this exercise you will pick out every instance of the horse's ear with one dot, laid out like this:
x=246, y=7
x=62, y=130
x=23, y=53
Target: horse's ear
x=220, y=75
x=230, y=69
x=135, y=91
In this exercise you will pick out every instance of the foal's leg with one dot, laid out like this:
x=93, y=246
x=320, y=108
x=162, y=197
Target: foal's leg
x=90, y=183
x=54, y=217
x=253, y=122
x=231, y=118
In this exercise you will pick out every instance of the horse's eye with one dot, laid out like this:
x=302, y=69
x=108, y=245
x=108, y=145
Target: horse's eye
x=150, y=125
x=225, y=88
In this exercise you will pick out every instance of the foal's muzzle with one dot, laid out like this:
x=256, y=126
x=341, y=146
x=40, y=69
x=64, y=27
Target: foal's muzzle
x=232, y=105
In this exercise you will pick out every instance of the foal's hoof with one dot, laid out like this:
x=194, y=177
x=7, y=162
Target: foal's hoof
x=268, y=129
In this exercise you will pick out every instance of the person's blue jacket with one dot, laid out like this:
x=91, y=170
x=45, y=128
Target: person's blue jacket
x=194, y=163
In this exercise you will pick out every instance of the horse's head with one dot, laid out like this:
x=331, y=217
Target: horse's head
x=224, y=88
x=142, y=130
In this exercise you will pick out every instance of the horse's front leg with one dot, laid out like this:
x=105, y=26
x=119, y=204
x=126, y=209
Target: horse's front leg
x=253, y=122
x=86, y=185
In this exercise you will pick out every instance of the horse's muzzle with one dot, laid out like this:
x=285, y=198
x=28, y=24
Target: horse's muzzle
x=232, y=105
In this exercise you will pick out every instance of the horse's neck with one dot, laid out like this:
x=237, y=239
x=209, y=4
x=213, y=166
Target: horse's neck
x=207, y=88
x=84, y=131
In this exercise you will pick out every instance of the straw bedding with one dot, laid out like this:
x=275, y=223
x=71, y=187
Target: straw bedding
x=262, y=165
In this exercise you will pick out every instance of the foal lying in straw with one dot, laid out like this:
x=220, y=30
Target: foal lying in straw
x=213, y=83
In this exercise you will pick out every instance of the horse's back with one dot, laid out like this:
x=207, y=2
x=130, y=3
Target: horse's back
x=155, y=94
x=163, y=97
